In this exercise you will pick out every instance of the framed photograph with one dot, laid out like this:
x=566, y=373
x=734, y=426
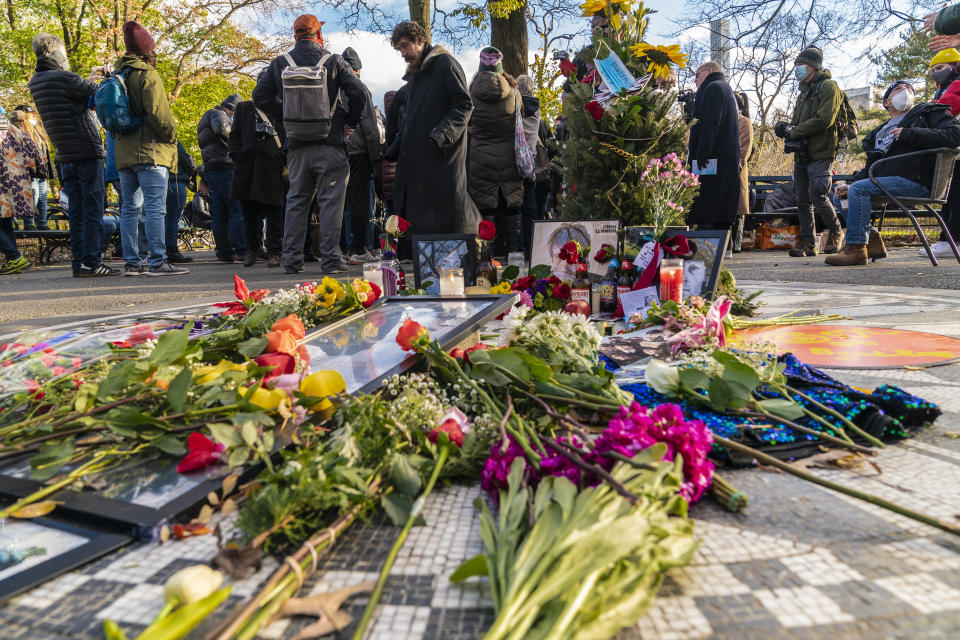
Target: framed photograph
x=701, y=270
x=34, y=551
x=550, y=235
x=443, y=251
x=635, y=237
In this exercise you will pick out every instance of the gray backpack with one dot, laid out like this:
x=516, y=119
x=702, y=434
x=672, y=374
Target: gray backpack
x=307, y=111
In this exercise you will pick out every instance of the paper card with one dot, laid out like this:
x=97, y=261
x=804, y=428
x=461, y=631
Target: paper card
x=614, y=73
x=638, y=301
x=710, y=169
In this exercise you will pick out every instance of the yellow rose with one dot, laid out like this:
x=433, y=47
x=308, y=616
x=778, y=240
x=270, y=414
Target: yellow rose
x=323, y=384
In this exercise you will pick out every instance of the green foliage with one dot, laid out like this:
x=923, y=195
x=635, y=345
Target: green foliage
x=909, y=60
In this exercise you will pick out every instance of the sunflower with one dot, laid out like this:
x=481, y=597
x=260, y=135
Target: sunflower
x=659, y=57
x=597, y=7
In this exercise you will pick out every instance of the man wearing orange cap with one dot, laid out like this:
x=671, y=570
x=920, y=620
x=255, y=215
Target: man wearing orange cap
x=301, y=93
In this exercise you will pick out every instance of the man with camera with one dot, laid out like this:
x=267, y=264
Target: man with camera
x=812, y=137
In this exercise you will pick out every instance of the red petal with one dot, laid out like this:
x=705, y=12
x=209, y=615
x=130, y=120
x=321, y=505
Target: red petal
x=259, y=294
x=196, y=460
x=240, y=288
x=198, y=442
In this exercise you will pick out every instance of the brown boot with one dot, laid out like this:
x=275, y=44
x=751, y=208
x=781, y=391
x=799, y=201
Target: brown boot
x=273, y=261
x=804, y=250
x=875, y=248
x=850, y=255
x=250, y=259
x=834, y=241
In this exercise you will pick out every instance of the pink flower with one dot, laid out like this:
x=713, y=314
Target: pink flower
x=713, y=322
x=526, y=299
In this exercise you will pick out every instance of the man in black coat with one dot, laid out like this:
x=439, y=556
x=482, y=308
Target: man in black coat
x=715, y=140
x=213, y=131
x=430, y=187
x=62, y=97
x=317, y=168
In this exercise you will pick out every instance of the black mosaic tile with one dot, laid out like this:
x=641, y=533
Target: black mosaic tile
x=764, y=574
x=864, y=599
x=161, y=576
x=458, y=624
x=739, y=613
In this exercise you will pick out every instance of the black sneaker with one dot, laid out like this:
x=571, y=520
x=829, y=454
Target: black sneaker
x=227, y=260
x=334, y=270
x=805, y=250
x=132, y=270
x=98, y=272
x=167, y=269
x=292, y=270
x=178, y=258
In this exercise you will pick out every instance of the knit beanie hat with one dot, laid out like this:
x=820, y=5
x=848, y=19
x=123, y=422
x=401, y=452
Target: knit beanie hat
x=893, y=85
x=352, y=59
x=137, y=39
x=491, y=60
x=812, y=56
x=307, y=26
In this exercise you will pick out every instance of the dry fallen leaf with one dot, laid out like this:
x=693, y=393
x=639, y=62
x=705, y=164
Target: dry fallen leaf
x=228, y=506
x=229, y=484
x=164, y=533
x=909, y=367
x=206, y=512
x=326, y=606
x=213, y=498
x=238, y=562
x=35, y=510
x=197, y=528
x=324, y=626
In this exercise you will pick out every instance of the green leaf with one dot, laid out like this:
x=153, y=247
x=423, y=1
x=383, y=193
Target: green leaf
x=51, y=456
x=742, y=374
x=226, y=434
x=253, y=347
x=539, y=369
x=489, y=374
x=238, y=456
x=170, y=346
x=404, y=477
x=177, y=391
x=255, y=317
x=694, y=378
x=119, y=377
x=249, y=433
x=397, y=507
x=782, y=408
x=719, y=393
x=541, y=271
x=475, y=566
x=510, y=273
x=168, y=444
x=511, y=361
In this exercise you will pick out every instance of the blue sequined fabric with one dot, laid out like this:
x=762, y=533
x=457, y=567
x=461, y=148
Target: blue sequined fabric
x=888, y=413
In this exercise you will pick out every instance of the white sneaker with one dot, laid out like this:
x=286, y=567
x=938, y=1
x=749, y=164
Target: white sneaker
x=940, y=249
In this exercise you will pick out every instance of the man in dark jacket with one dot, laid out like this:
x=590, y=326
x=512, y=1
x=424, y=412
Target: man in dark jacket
x=316, y=167
x=61, y=98
x=363, y=145
x=715, y=148
x=814, y=127
x=910, y=128
x=176, y=201
x=430, y=187
x=258, y=181
x=213, y=131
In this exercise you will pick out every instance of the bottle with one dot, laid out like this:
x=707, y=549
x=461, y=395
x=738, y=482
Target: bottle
x=625, y=282
x=608, y=288
x=580, y=290
x=486, y=272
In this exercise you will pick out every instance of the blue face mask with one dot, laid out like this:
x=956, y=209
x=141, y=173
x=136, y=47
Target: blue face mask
x=800, y=72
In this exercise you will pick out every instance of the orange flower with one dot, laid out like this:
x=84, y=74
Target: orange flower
x=291, y=323
x=281, y=342
x=410, y=334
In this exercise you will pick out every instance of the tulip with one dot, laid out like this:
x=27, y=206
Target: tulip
x=323, y=384
x=191, y=584
x=663, y=378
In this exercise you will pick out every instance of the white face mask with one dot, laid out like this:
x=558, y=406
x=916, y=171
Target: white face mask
x=903, y=101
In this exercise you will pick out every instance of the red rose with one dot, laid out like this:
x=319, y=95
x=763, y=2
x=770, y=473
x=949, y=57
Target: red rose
x=524, y=283
x=204, y=452
x=604, y=254
x=477, y=347
x=452, y=429
x=279, y=364
x=554, y=281
x=487, y=231
x=373, y=296
x=409, y=333
x=594, y=109
x=402, y=225
x=457, y=353
x=561, y=291
x=567, y=67
x=140, y=333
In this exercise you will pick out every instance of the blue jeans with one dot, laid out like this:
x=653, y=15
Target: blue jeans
x=84, y=186
x=842, y=213
x=110, y=225
x=226, y=217
x=858, y=202
x=8, y=241
x=144, y=186
x=39, y=188
x=176, y=199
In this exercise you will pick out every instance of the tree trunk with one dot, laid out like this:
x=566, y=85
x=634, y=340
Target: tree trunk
x=420, y=13
x=509, y=35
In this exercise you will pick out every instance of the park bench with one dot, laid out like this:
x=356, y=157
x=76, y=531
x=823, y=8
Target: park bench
x=48, y=240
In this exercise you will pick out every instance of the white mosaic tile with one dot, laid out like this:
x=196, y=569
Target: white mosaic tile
x=399, y=622
x=708, y=580
x=333, y=580
x=674, y=618
x=886, y=375
x=926, y=446
x=801, y=606
x=275, y=630
x=50, y=592
x=922, y=554
x=473, y=593
x=941, y=328
x=922, y=591
x=139, y=605
x=139, y=564
x=820, y=567
x=721, y=544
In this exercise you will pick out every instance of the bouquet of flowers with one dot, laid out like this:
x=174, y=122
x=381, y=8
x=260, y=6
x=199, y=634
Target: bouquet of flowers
x=546, y=294
x=670, y=189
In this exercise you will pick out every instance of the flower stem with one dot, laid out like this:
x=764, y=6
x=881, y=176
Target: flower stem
x=860, y=495
x=727, y=495
x=849, y=423
x=395, y=549
x=859, y=448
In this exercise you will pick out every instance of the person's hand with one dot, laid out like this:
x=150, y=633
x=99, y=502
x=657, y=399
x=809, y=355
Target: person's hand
x=929, y=20
x=780, y=129
x=939, y=43
x=841, y=190
x=702, y=163
x=896, y=133
x=347, y=131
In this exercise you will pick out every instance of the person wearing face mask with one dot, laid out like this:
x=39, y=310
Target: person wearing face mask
x=213, y=134
x=815, y=124
x=927, y=125
x=945, y=69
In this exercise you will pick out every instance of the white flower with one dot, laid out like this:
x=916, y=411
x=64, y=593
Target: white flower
x=192, y=584
x=663, y=378
x=392, y=225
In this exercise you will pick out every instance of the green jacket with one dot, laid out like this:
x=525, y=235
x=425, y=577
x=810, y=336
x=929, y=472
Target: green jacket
x=948, y=20
x=815, y=115
x=155, y=143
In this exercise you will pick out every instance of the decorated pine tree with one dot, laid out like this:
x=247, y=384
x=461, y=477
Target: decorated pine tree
x=611, y=139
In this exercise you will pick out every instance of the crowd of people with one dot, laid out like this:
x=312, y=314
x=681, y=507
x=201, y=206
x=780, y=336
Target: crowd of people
x=298, y=173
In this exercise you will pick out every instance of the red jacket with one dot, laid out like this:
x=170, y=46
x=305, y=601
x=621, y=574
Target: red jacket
x=951, y=97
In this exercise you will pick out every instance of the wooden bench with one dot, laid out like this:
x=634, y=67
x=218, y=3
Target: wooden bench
x=48, y=240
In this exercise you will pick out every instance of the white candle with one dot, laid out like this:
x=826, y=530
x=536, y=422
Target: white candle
x=373, y=273
x=451, y=282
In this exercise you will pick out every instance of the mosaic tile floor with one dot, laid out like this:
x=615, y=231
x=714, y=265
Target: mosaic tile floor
x=801, y=562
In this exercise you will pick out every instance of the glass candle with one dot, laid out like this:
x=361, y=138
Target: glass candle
x=389, y=275
x=515, y=258
x=671, y=279
x=451, y=282
x=373, y=272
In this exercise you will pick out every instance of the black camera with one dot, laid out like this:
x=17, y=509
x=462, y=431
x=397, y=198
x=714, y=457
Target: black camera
x=560, y=54
x=687, y=98
x=782, y=130
x=264, y=128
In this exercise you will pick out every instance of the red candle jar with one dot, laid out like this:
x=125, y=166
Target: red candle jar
x=671, y=280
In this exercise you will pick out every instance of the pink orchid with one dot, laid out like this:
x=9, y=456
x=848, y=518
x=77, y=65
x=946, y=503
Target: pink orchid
x=714, y=320
x=709, y=327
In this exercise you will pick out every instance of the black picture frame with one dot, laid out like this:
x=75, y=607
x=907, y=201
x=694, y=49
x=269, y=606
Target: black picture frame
x=99, y=542
x=710, y=248
x=425, y=265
